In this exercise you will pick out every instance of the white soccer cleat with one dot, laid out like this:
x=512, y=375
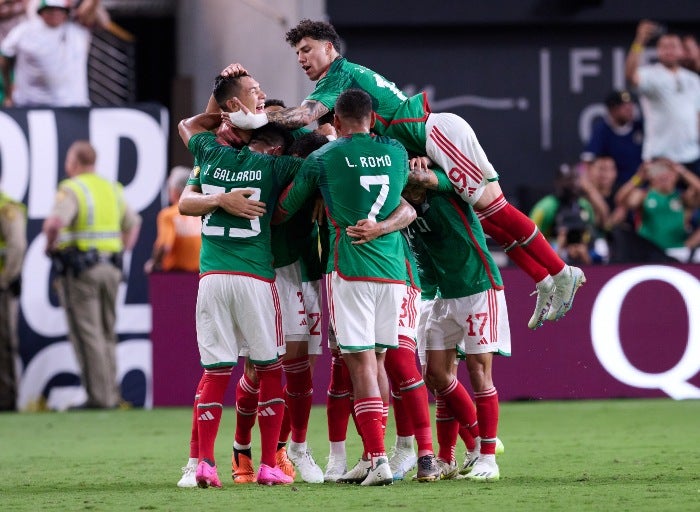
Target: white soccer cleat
x=357, y=474
x=335, y=469
x=485, y=469
x=305, y=463
x=500, y=448
x=379, y=474
x=545, y=292
x=401, y=461
x=189, y=475
x=566, y=284
x=448, y=470
x=470, y=458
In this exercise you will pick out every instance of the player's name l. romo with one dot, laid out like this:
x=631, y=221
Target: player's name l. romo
x=370, y=161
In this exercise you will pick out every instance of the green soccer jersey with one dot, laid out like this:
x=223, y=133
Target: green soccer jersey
x=289, y=240
x=663, y=219
x=449, y=234
x=397, y=115
x=233, y=244
x=360, y=177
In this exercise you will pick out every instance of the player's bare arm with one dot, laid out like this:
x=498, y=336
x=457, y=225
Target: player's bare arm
x=198, y=124
x=296, y=117
x=195, y=203
x=367, y=230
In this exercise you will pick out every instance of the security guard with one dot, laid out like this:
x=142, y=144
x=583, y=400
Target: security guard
x=89, y=227
x=13, y=244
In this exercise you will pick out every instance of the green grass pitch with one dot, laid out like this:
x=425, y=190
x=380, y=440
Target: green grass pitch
x=614, y=455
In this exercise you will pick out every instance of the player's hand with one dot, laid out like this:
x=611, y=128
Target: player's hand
x=646, y=30
x=234, y=69
x=364, y=231
x=420, y=163
x=238, y=203
x=328, y=130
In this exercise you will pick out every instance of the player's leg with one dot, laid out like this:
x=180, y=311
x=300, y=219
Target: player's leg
x=479, y=349
x=242, y=470
x=189, y=471
x=452, y=144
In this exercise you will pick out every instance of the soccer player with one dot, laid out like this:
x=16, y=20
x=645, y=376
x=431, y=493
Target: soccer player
x=237, y=300
x=360, y=177
x=447, y=140
x=468, y=319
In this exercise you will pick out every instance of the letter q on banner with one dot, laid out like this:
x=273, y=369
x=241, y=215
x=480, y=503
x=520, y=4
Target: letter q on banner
x=605, y=332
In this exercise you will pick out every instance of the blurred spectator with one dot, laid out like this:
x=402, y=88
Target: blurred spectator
x=618, y=135
x=566, y=218
x=663, y=211
x=13, y=244
x=12, y=12
x=669, y=96
x=44, y=58
x=598, y=183
x=179, y=236
x=691, y=59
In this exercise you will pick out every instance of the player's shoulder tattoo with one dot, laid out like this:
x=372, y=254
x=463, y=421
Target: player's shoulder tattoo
x=296, y=117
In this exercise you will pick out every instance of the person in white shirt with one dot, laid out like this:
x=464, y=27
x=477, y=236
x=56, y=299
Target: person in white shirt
x=669, y=96
x=44, y=59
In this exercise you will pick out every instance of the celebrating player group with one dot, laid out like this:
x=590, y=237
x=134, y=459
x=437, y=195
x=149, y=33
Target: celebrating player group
x=399, y=200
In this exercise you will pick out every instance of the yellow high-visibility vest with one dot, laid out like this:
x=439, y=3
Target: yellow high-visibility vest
x=100, y=210
x=7, y=200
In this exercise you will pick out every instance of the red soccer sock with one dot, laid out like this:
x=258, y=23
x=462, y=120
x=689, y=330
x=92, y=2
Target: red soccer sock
x=194, y=437
x=487, y=412
x=209, y=409
x=246, y=410
x=385, y=415
x=298, y=395
x=270, y=410
x=460, y=405
x=368, y=412
x=286, y=427
x=404, y=427
x=338, y=407
x=404, y=375
x=447, y=428
x=521, y=228
x=517, y=254
x=467, y=438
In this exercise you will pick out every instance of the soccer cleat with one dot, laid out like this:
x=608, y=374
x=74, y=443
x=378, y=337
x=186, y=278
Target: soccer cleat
x=242, y=470
x=305, y=463
x=272, y=476
x=282, y=460
x=336, y=468
x=401, y=461
x=357, y=474
x=470, y=458
x=206, y=475
x=448, y=470
x=566, y=285
x=500, y=449
x=428, y=469
x=189, y=475
x=544, y=291
x=485, y=469
x=379, y=473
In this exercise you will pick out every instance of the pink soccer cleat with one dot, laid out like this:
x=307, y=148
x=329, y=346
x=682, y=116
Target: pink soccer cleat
x=272, y=476
x=206, y=475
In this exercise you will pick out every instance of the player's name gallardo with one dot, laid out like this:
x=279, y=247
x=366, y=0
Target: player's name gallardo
x=369, y=161
x=229, y=175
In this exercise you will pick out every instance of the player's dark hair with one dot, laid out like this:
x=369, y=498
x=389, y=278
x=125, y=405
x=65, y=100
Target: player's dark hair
x=273, y=134
x=318, y=30
x=274, y=103
x=353, y=104
x=307, y=144
x=225, y=88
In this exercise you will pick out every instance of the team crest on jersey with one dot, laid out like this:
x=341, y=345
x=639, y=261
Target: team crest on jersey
x=195, y=171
